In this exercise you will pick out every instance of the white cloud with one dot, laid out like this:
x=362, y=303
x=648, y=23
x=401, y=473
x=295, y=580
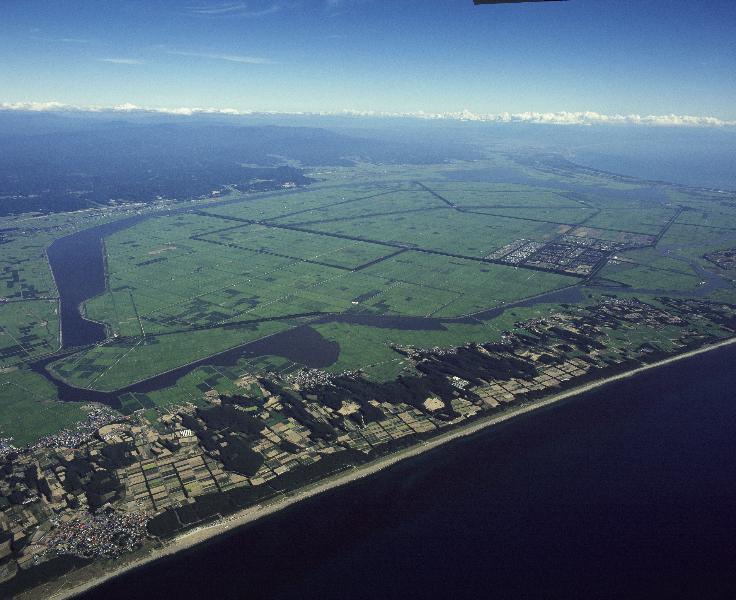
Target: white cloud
x=551, y=118
x=36, y=106
x=60, y=40
x=121, y=61
x=233, y=9
x=72, y=40
x=560, y=118
x=236, y=58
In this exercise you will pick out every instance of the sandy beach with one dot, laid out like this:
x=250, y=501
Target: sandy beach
x=249, y=515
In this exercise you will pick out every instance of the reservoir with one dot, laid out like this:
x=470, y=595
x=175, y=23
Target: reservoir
x=626, y=491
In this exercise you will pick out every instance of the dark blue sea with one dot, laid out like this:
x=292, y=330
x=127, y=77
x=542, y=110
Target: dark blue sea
x=625, y=492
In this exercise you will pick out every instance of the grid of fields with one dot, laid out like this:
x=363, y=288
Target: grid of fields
x=186, y=286
x=27, y=329
x=420, y=251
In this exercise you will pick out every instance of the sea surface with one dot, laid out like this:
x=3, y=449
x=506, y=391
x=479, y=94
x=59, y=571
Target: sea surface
x=628, y=491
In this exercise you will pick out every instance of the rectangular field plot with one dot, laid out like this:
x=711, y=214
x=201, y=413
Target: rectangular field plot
x=710, y=216
x=652, y=278
x=290, y=293
x=442, y=230
x=27, y=329
x=130, y=403
x=118, y=364
x=643, y=220
x=192, y=387
x=387, y=202
x=30, y=409
x=245, y=303
x=24, y=273
x=292, y=289
x=487, y=196
x=158, y=237
x=118, y=309
x=197, y=312
x=201, y=269
x=479, y=286
x=694, y=241
x=164, y=287
x=316, y=292
x=298, y=245
x=404, y=298
x=611, y=235
x=565, y=216
x=270, y=206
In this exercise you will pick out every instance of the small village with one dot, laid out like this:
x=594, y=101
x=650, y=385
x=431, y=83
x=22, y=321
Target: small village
x=579, y=255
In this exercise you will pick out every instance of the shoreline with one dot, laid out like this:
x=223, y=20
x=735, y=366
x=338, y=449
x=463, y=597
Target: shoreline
x=249, y=515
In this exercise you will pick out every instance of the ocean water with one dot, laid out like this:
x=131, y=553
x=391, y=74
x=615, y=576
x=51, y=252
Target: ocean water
x=626, y=492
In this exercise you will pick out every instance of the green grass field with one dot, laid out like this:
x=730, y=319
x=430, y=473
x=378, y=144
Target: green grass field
x=379, y=240
x=28, y=329
x=186, y=286
x=29, y=408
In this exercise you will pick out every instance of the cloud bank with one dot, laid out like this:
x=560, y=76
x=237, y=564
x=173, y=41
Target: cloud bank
x=562, y=118
x=545, y=118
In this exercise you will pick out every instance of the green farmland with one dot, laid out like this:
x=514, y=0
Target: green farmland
x=190, y=285
x=187, y=286
x=363, y=242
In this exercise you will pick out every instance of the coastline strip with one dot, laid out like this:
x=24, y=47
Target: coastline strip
x=246, y=516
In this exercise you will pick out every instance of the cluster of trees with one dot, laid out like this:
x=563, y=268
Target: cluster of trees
x=206, y=507
x=471, y=363
x=97, y=478
x=230, y=431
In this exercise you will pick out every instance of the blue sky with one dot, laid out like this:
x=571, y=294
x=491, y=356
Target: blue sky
x=610, y=56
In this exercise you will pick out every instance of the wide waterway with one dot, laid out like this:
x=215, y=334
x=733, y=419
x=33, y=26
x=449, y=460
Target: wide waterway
x=78, y=264
x=628, y=491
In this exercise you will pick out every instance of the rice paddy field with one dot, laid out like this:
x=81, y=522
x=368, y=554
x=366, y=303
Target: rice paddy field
x=367, y=257
x=187, y=286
